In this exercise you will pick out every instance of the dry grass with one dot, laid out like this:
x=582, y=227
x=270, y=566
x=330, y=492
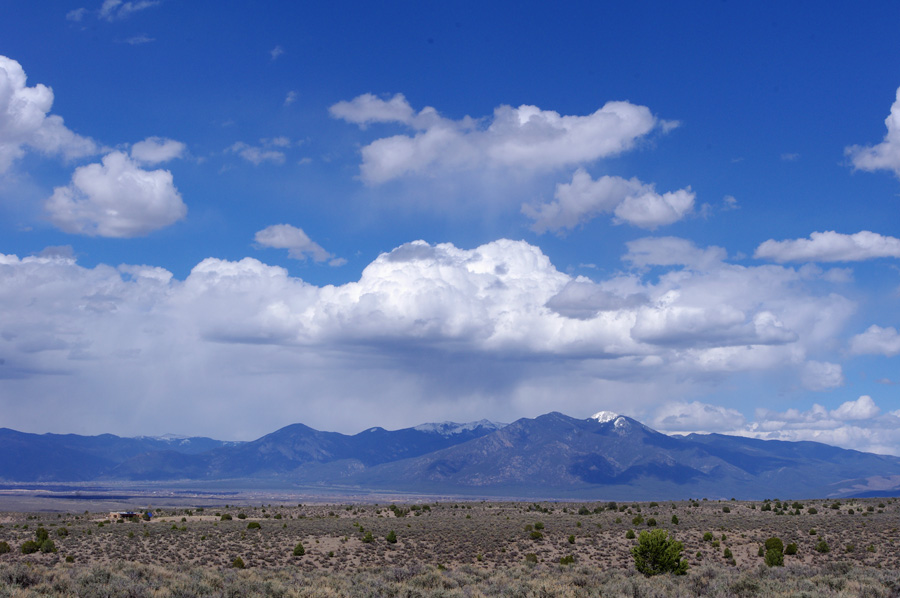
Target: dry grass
x=466, y=548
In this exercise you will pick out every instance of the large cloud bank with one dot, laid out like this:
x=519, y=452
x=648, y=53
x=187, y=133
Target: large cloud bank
x=858, y=424
x=494, y=331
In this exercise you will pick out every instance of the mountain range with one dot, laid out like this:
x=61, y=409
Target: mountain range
x=607, y=456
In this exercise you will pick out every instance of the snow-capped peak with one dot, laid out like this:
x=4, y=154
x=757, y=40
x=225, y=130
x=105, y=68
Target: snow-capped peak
x=604, y=416
x=171, y=438
x=451, y=428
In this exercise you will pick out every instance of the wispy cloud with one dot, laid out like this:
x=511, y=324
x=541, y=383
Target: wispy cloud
x=256, y=154
x=114, y=10
x=831, y=246
x=297, y=242
x=76, y=15
x=138, y=40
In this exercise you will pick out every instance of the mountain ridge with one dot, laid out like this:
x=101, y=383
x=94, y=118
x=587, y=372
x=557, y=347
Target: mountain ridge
x=607, y=456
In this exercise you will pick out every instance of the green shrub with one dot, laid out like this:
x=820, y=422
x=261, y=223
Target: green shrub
x=571, y=539
x=536, y=535
x=657, y=553
x=225, y=517
x=791, y=549
x=651, y=522
x=630, y=534
x=531, y=558
x=538, y=525
x=775, y=543
x=637, y=520
x=726, y=509
x=299, y=550
x=62, y=532
x=567, y=560
x=368, y=538
x=774, y=558
x=48, y=546
x=707, y=537
x=237, y=563
x=391, y=537
x=727, y=553
x=242, y=516
x=675, y=519
x=822, y=546
x=253, y=525
x=4, y=547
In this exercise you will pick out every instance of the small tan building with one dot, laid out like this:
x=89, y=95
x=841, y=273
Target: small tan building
x=123, y=516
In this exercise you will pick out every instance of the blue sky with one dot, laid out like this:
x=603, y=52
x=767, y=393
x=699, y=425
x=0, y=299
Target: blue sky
x=221, y=220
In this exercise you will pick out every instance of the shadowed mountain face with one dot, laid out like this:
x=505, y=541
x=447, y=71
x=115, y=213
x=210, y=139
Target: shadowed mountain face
x=556, y=455
x=71, y=458
x=551, y=456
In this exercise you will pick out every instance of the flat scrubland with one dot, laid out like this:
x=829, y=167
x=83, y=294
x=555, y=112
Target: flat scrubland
x=843, y=548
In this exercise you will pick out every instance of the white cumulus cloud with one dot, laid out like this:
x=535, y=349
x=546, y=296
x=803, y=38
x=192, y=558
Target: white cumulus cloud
x=630, y=200
x=885, y=155
x=856, y=424
x=25, y=122
x=523, y=138
x=876, y=341
x=830, y=246
x=116, y=198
